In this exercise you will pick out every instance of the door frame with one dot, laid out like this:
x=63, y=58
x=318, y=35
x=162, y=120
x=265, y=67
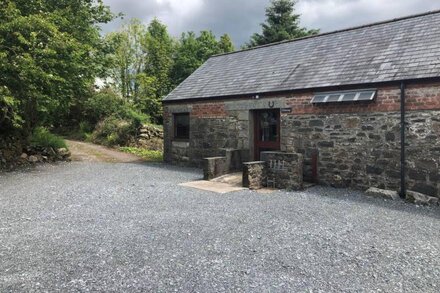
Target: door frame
x=275, y=145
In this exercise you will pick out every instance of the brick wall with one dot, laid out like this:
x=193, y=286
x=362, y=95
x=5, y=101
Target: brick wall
x=418, y=97
x=209, y=110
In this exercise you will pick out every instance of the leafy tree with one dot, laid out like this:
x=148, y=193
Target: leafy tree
x=126, y=57
x=193, y=51
x=159, y=59
x=225, y=44
x=155, y=82
x=49, y=55
x=9, y=117
x=281, y=24
x=186, y=59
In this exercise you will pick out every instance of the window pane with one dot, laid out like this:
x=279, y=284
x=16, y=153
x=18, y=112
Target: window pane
x=319, y=99
x=268, y=126
x=333, y=98
x=181, y=126
x=366, y=96
x=348, y=97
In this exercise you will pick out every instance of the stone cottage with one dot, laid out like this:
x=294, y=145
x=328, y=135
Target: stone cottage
x=338, y=98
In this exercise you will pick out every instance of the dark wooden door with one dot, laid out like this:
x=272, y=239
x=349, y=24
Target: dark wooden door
x=267, y=131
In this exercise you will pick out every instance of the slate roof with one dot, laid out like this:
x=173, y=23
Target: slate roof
x=399, y=49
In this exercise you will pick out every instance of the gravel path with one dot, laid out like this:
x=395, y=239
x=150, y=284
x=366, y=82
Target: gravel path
x=76, y=227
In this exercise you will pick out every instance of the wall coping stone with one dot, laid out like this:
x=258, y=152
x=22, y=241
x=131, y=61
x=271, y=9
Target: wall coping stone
x=254, y=162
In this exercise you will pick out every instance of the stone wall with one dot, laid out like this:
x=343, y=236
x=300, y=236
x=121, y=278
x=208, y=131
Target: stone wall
x=284, y=170
x=150, y=137
x=210, y=135
x=358, y=144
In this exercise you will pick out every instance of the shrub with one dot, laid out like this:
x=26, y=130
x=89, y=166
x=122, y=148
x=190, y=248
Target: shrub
x=102, y=104
x=114, y=131
x=106, y=103
x=41, y=137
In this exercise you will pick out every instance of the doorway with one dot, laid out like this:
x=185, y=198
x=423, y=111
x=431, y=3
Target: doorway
x=266, y=131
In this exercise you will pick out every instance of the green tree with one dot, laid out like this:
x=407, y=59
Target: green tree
x=49, y=55
x=225, y=44
x=186, y=59
x=159, y=47
x=281, y=24
x=126, y=58
x=193, y=51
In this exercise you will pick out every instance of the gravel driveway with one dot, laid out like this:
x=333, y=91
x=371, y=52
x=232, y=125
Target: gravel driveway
x=128, y=227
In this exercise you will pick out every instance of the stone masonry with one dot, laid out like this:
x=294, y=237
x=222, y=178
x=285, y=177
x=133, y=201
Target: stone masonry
x=357, y=144
x=284, y=170
x=254, y=174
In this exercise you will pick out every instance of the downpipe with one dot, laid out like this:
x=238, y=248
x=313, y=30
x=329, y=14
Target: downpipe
x=402, y=141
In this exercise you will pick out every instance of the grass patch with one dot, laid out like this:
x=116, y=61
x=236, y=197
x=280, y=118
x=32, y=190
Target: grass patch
x=149, y=155
x=41, y=137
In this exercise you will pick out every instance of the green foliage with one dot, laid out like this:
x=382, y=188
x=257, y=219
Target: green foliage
x=106, y=103
x=102, y=104
x=225, y=44
x=146, y=63
x=125, y=57
x=114, y=131
x=193, y=51
x=281, y=24
x=42, y=138
x=149, y=155
x=116, y=119
x=50, y=52
x=9, y=107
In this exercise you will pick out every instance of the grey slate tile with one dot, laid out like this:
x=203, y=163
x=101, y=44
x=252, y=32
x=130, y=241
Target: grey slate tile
x=404, y=48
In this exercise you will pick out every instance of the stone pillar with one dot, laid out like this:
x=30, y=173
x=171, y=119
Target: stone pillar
x=254, y=175
x=284, y=170
x=214, y=167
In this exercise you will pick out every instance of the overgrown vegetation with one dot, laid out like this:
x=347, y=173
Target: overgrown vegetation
x=149, y=155
x=42, y=138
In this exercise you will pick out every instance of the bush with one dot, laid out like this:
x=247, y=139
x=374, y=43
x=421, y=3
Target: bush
x=42, y=138
x=106, y=103
x=102, y=104
x=114, y=131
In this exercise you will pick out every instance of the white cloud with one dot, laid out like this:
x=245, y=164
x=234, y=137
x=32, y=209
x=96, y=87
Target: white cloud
x=241, y=18
x=181, y=7
x=338, y=14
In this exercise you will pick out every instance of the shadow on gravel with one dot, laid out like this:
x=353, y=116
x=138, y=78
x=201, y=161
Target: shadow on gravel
x=356, y=197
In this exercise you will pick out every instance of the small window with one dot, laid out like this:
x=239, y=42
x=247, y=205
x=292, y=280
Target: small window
x=345, y=96
x=181, y=126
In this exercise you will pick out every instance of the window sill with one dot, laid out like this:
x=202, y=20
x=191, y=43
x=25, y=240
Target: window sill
x=180, y=139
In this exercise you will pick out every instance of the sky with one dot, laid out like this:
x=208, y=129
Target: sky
x=241, y=18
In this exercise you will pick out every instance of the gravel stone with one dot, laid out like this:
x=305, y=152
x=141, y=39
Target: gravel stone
x=129, y=227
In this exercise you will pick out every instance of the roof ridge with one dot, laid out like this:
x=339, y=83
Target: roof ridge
x=333, y=32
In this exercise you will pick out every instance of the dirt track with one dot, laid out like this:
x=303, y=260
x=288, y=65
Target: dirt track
x=87, y=152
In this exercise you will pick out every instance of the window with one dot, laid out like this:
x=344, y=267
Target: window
x=348, y=96
x=181, y=126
